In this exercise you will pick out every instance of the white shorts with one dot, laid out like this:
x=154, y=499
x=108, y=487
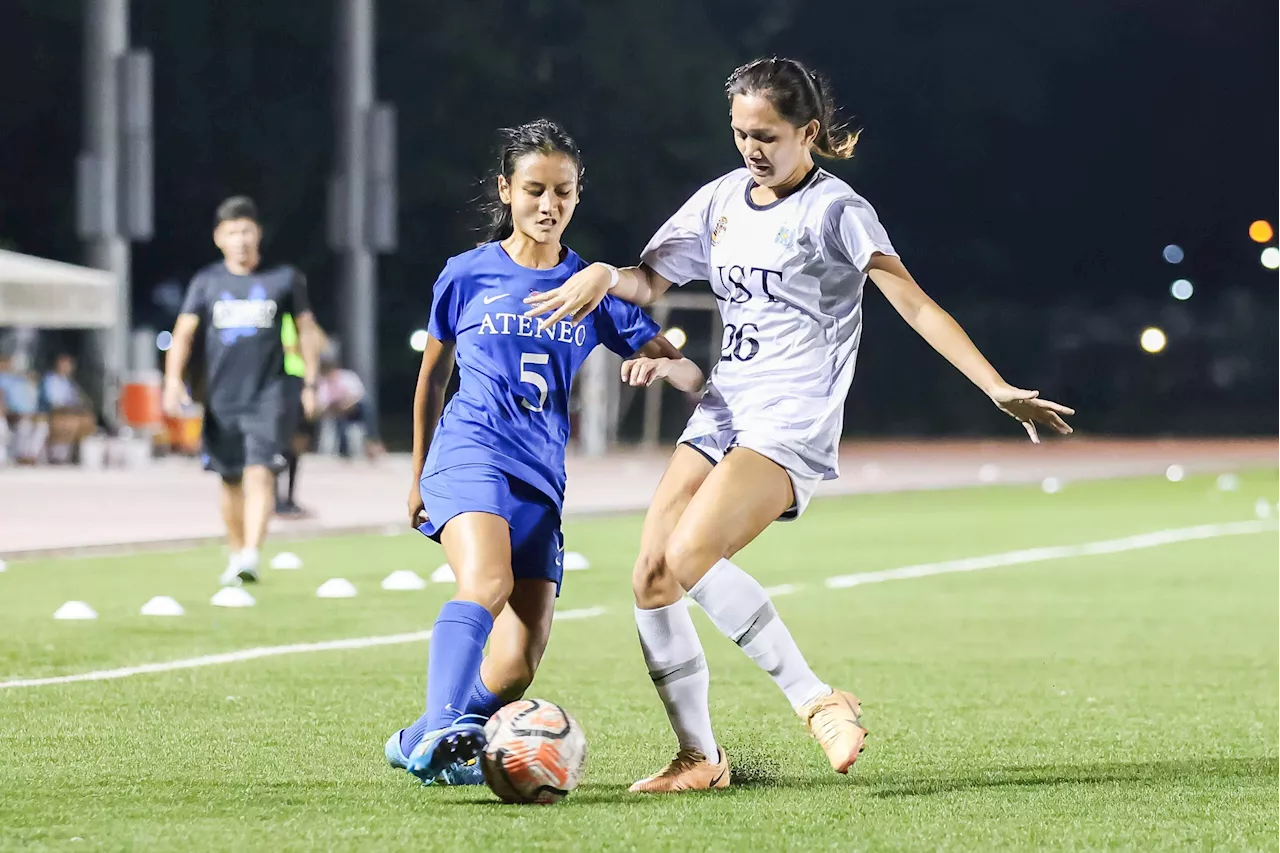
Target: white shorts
x=714, y=443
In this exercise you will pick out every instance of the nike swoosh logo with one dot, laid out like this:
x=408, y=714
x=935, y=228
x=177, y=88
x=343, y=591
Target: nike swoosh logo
x=489, y=300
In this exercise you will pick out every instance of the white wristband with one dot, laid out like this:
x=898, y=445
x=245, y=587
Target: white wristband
x=613, y=275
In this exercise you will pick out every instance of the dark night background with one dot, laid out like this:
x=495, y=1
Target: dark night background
x=1030, y=161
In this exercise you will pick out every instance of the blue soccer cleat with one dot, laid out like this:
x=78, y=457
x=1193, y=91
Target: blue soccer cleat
x=395, y=755
x=462, y=773
x=449, y=748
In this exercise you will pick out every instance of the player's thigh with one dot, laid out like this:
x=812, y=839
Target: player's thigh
x=741, y=496
x=685, y=474
x=522, y=630
x=650, y=580
x=478, y=548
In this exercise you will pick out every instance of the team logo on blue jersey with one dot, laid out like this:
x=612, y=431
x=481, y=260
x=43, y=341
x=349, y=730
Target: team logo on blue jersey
x=243, y=318
x=716, y=233
x=785, y=237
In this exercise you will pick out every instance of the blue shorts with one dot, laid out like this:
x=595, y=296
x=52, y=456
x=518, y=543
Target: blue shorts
x=537, y=545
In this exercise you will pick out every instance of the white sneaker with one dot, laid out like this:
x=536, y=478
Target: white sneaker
x=241, y=569
x=231, y=576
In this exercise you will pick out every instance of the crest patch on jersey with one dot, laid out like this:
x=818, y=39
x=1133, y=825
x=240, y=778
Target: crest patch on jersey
x=716, y=233
x=784, y=237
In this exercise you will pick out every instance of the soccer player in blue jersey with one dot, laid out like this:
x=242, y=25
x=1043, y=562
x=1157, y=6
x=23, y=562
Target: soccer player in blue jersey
x=489, y=472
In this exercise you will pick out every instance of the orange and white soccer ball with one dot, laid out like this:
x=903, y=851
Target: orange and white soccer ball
x=536, y=752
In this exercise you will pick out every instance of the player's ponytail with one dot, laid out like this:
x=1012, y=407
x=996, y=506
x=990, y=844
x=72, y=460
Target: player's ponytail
x=541, y=136
x=800, y=96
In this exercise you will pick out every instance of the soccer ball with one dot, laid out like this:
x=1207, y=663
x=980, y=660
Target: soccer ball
x=536, y=752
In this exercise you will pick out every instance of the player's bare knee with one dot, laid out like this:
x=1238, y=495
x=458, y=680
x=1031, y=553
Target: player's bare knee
x=688, y=559
x=652, y=584
x=490, y=590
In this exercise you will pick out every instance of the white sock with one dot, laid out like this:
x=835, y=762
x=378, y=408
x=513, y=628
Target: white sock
x=249, y=558
x=742, y=610
x=673, y=654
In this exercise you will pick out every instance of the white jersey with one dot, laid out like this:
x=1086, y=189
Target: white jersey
x=789, y=278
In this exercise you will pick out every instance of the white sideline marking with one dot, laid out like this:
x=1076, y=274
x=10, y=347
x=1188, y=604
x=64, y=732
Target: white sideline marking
x=254, y=654
x=970, y=564
x=783, y=589
x=1057, y=552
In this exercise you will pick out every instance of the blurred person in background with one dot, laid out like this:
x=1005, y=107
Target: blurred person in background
x=299, y=427
x=340, y=397
x=71, y=416
x=20, y=395
x=242, y=308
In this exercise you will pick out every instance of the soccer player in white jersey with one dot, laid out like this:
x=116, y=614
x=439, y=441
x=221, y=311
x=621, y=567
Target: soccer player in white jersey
x=787, y=248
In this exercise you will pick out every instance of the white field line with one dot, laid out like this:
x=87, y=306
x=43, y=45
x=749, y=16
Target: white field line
x=260, y=652
x=971, y=564
x=1057, y=552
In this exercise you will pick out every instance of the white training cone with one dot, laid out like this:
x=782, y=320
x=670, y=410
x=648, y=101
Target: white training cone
x=1261, y=508
x=989, y=473
x=75, y=610
x=336, y=588
x=1228, y=483
x=232, y=596
x=444, y=574
x=575, y=562
x=403, y=579
x=162, y=605
x=286, y=560
x=3, y=565
x=1051, y=485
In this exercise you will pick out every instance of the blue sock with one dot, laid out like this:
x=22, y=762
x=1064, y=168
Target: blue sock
x=482, y=701
x=457, y=647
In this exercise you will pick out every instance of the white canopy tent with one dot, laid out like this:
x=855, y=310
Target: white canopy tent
x=46, y=294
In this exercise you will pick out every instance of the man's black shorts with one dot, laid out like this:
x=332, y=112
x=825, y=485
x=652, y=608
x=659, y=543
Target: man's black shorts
x=249, y=436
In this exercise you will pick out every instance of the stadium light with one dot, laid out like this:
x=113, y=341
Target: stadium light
x=164, y=340
x=1181, y=290
x=1271, y=258
x=1153, y=340
x=1260, y=231
x=1173, y=253
x=418, y=340
x=677, y=337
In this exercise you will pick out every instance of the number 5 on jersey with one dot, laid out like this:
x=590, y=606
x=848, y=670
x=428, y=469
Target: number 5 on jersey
x=534, y=379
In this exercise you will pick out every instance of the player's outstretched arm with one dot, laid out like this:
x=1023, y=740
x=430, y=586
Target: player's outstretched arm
x=659, y=359
x=428, y=403
x=175, y=363
x=946, y=336
x=585, y=289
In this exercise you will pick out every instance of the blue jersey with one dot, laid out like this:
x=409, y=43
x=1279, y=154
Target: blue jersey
x=512, y=405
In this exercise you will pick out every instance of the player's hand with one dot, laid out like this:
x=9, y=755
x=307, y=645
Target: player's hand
x=417, y=514
x=643, y=372
x=1027, y=408
x=576, y=298
x=175, y=398
x=309, y=405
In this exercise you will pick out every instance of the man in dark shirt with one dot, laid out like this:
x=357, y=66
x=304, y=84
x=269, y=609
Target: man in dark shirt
x=246, y=418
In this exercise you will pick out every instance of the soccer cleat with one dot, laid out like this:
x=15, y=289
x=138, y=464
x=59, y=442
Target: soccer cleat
x=835, y=722
x=462, y=773
x=468, y=773
x=395, y=755
x=689, y=771
x=455, y=744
